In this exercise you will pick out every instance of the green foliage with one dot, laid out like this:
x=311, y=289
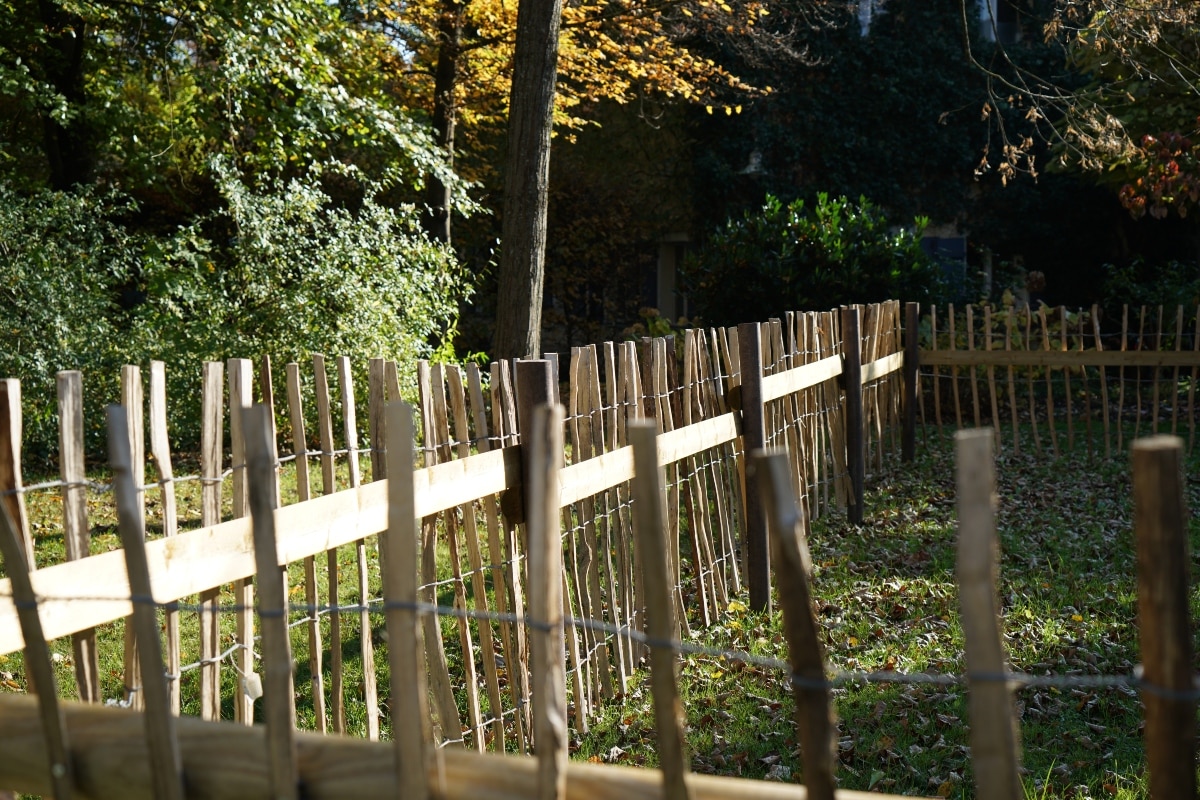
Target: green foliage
x=1151, y=283
x=64, y=260
x=278, y=269
x=794, y=257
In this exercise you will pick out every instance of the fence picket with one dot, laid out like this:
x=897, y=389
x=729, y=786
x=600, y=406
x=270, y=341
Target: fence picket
x=211, y=436
x=39, y=669
x=1037, y=440
x=1070, y=397
x=937, y=389
x=133, y=403
x=266, y=396
x=542, y=440
x=1087, y=393
x=1012, y=389
x=499, y=574
x=1103, y=384
x=445, y=705
x=1164, y=623
x=487, y=647
x=954, y=370
x=663, y=625
x=505, y=425
x=239, y=376
x=366, y=646
x=76, y=538
x=995, y=751
x=165, y=763
x=278, y=695
x=1050, y=423
x=316, y=666
x=991, y=374
x=439, y=439
x=816, y=721
x=160, y=447
x=579, y=557
x=337, y=696
x=410, y=712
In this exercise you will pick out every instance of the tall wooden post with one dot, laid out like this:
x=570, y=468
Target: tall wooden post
x=542, y=442
x=856, y=457
x=535, y=387
x=754, y=438
x=908, y=441
x=1160, y=527
x=995, y=744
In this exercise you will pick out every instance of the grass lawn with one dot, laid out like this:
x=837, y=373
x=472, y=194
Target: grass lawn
x=887, y=600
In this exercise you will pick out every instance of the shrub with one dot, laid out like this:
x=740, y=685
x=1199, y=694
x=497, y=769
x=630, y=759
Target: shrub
x=65, y=261
x=278, y=269
x=1140, y=282
x=795, y=257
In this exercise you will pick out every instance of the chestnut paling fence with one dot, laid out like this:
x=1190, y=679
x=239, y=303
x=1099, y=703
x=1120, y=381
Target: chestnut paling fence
x=532, y=619
x=1102, y=381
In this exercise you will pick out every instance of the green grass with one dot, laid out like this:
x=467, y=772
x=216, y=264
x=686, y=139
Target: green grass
x=887, y=600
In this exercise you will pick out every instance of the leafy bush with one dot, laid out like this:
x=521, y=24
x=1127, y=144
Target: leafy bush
x=1141, y=282
x=282, y=271
x=794, y=257
x=64, y=260
x=278, y=269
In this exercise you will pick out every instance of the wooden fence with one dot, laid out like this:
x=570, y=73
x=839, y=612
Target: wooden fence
x=578, y=597
x=469, y=496
x=101, y=753
x=1053, y=380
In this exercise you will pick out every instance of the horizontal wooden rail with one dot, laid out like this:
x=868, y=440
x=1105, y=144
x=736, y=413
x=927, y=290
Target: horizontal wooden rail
x=1059, y=358
x=596, y=475
x=797, y=379
x=221, y=759
x=198, y=560
x=882, y=367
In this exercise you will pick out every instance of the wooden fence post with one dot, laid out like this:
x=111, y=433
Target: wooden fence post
x=816, y=721
x=166, y=765
x=73, y=470
x=535, y=387
x=239, y=377
x=211, y=437
x=1160, y=527
x=160, y=447
x=316, y=667
x=912, y=355
x=133, y=402
x=39, y=669
x=662, y=626
x=278, y=692
x=856, y=456
x=754, y=436
x=542, y=441
x=995, y=748
x=10, y=464
x=410, y=704
x=337, y=689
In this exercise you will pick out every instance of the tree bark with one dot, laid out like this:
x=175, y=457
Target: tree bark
x=437, y=193
x=527, y=175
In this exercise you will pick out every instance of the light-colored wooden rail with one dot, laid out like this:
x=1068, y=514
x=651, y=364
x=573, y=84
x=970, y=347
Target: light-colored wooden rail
x=110, y=757
x=82, y=594
x=1059, y=358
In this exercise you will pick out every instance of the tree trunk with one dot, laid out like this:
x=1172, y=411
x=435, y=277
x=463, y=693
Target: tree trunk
x=68, y=148
x=527, y=175
x=437, y=193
